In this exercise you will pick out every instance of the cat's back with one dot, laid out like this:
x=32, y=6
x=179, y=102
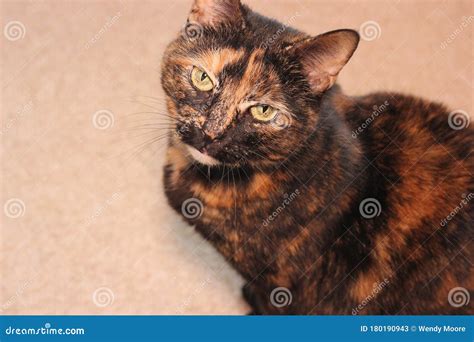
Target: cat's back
x=421, y=162
x=411, y=130
x=421, y=152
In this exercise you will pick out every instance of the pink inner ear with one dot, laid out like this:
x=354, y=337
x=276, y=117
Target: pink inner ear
x=324, y=56
x=320, y=81
x=215, y=12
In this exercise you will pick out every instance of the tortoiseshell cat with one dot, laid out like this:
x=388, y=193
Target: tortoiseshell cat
x=326, y=204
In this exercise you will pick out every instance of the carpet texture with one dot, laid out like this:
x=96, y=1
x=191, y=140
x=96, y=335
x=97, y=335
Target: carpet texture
x=85, y=227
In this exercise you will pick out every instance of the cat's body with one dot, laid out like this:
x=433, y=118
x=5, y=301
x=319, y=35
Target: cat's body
x=349, y=216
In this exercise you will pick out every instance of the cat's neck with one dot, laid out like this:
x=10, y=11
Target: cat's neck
x=331, y=141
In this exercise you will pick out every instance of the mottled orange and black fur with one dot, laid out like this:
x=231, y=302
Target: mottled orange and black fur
x=284, y=203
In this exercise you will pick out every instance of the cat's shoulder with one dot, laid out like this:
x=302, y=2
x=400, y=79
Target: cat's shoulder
x=401, y=104
x=404, y=116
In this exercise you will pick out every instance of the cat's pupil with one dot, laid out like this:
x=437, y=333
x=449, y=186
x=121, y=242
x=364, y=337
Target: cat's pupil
x=203, y=76
x=264, y=109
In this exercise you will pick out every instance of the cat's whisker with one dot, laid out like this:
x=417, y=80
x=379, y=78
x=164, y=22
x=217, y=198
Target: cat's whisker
x=161, y=100
x=144, y=134
x=141, y=147
x=153, y=114
x=145, y=104
x=153, y=125
x=150, y=122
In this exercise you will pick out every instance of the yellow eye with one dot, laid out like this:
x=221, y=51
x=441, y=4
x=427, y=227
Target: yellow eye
x=263, y=112
x=201, y=80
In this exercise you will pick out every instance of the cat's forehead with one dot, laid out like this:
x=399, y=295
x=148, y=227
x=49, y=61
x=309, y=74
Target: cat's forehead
x=244, y=74
x=216, y=60
x=239, y=70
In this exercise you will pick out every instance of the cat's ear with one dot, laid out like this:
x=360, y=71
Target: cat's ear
x=216, y=12
x=324, y=56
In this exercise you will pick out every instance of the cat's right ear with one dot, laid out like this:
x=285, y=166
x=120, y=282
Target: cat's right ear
x=213, y=13
x=324, y=56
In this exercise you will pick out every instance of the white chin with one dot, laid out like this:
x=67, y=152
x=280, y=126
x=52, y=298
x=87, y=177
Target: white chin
x=201, y=157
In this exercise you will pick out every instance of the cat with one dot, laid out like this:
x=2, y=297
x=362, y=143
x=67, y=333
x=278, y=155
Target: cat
x=324, y=203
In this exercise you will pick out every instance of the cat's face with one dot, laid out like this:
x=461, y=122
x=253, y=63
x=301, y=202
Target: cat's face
x=244, y=89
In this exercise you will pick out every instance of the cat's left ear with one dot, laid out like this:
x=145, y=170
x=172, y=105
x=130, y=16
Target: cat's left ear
x=213, y=13
x=324, y=56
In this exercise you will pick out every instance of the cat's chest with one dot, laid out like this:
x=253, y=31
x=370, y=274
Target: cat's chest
x=224, y=203
x=224, y=208
x=228, y=214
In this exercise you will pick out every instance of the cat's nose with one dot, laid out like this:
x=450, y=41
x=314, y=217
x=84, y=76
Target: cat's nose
x=200, y=139
x=211, y=131
x=205, y=142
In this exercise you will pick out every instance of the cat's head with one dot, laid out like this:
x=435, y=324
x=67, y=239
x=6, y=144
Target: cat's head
x=244, y=89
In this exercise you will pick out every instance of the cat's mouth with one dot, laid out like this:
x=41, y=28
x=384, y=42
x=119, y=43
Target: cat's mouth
x=201, y=157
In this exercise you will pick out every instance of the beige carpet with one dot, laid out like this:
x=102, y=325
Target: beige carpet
x=85, y=227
